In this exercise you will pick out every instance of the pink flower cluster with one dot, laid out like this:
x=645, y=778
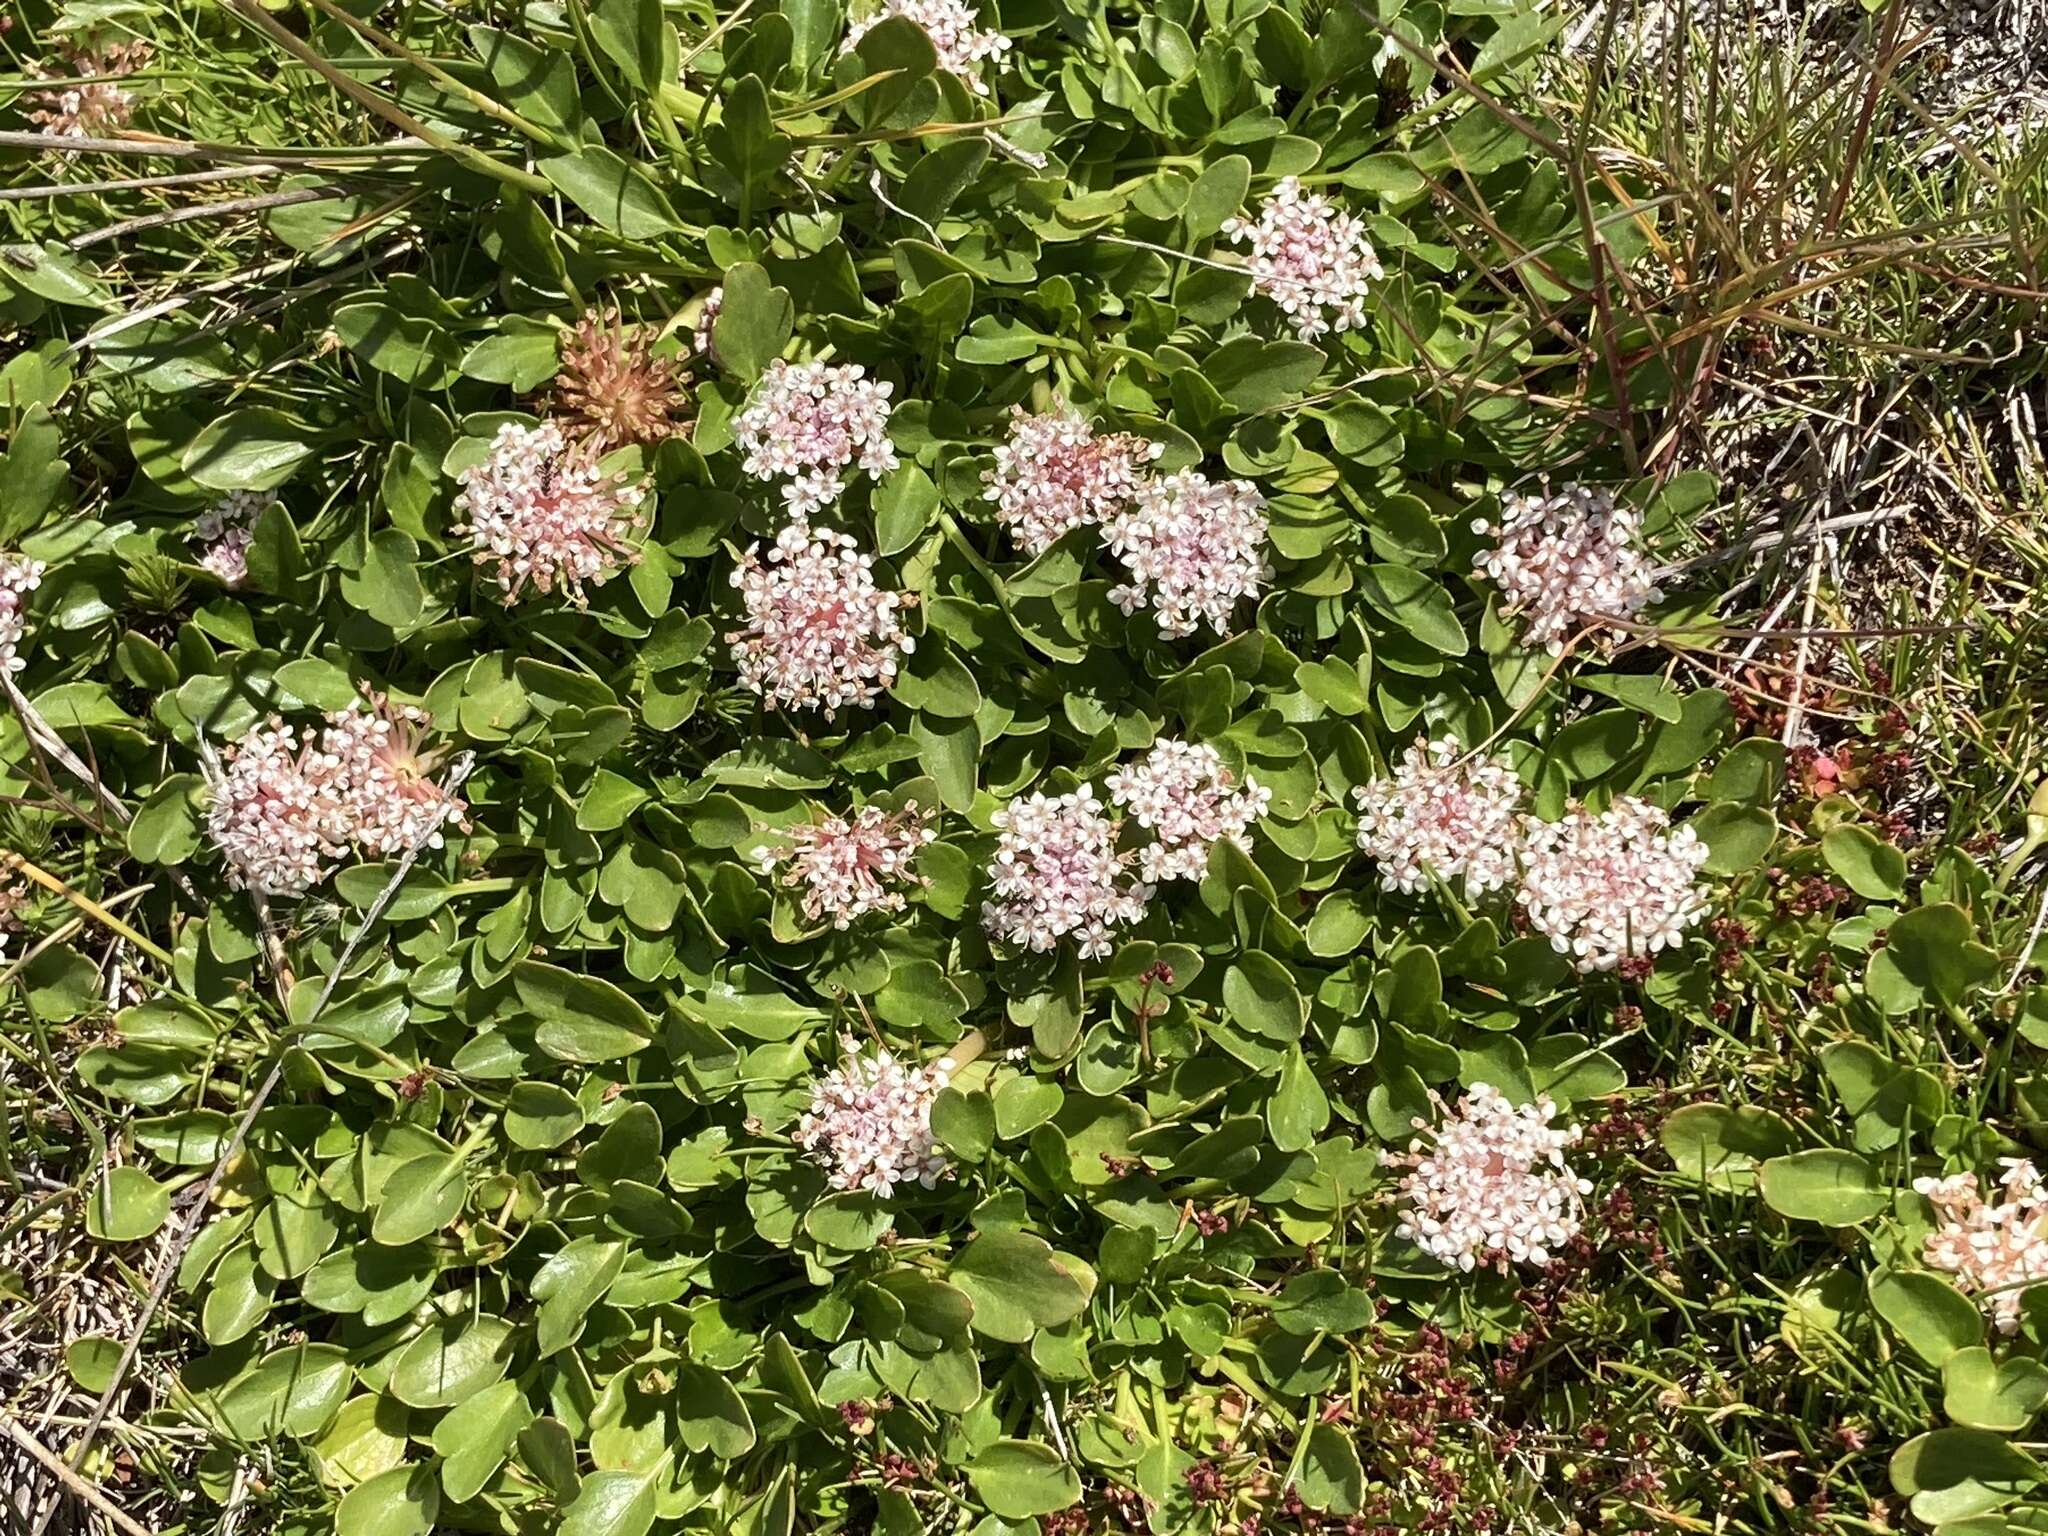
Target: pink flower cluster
x=1057, y=871
x=91, y=108
x=1182, y=794
x=544, y=515
x=811, y=422
x=19, y=576
x=1439, y=816
x=1056, y=472
x=1994, y=1248
x=1311, y=260
x=1611, y=887
x=224, y=532
x=1491, y=1184
x=1193, y=547
x=290, y=803
x=845, y=867
x=870, y=1122
x=1565, y=560
x=820, y=634
x=958, y=42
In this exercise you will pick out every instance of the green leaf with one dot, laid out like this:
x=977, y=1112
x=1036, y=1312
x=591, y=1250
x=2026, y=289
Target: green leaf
x=639, y=40
x=964, y=1123
x=420, y=1198
x=572, y=1282
x=754, y=322
x=1018, y=1285
x=580, y=1018
x=541, y=1116
x=1870, y=867
x=1951, y=1474
x=1981, y=1393
x=252, y=449
x=1018, y=1479
x=1332, y=1478
x=1298, y=1109
x=1721, y=1145
x=1738, y=837
x=1930, y=1315
x=1253, y=375
x=404, y=1501
x=452, y=1361
x=1931, y=954
x=127, y=1205
x=612, y=191
x=475, y=1437
x=1260, y=993
x=1418, y=603
x=611, y=1503
x=1322, y=1301
x=166, y=825
x=1823, y=1184
x=1216, y=197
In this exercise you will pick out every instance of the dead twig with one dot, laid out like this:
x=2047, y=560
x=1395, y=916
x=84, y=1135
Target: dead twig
x=72, y=1482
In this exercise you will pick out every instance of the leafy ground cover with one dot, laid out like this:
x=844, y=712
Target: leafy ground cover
x=1229, y=767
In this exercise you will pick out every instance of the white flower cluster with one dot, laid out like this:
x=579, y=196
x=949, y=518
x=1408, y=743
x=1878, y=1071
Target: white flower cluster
x=544, y=515
x=820, y=634
x=870, y=1122
x=1617, y=886
x=1492, y=1182
x=809, y=423
x=1193, y=547
x=845, y=867
x=1439, y=816
x=1057, y=871
x=224, y=532
x=958, y=42
x=1311, y=260
x=1620, y=885
x=1566, y=559
x=1056, y=473
x=1182, y=794
x=1994, y=1248
x=19, y=576
x=291, y=802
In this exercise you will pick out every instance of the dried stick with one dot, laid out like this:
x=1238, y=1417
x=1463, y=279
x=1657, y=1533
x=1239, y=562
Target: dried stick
x=174, y=1253
x=72, y=1481
x=227, y=208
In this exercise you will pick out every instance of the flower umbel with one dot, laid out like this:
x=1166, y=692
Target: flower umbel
x=290, y=803
x=612, y=389
x=844, y=867
x=98, y=107
x=1181, y=793
x=1438, y=816
x=1492, y=1182
x=1565, y=560
x=809, y=423
x=542, y=513
x=1611, y=887
x=820, y=634
x=1995, y=1248
x=1311, y=260
x=870, y=1122
x=19, y=576
x=1057, y=871
x=1193, y=547
x=1056, y=472
x=224, y=532
x=959, y=43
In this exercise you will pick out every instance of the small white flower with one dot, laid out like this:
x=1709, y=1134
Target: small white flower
x=1565, y=560
x=845, y=867
x=820, y=632
x=1184, y=796
x=1057, y=872
x=1492, y=1181
x=870, y=1122
x=1437, y=816
x=1997, y=1248
x=19, y=576
x=1620, y=885
x=808, y=423
x=1056, y=472
x=1311, y=260
x=1194, y=547
x=544, y=516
